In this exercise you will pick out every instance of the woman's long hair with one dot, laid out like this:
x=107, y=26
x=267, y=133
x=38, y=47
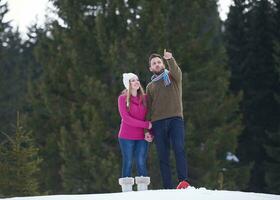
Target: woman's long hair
x=140, y=93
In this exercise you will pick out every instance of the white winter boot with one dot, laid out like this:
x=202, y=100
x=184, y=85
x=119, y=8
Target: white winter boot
x=142, y=182
x=126, y=183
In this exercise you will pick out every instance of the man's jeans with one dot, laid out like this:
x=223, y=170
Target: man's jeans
x=166, y=131
x=134, y=150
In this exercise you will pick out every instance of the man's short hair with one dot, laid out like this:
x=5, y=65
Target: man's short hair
x=154, y=55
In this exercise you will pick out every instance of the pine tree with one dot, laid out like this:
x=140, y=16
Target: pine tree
x=3, y=30
x=213, y=130
x=260, y=80
x=42, y=111
x=12, y=73
x=19, y=164
x=235, y=38
x=4, y=26
x=91, y=155
x=75, y=101
x=253, y=73
x=272, y=164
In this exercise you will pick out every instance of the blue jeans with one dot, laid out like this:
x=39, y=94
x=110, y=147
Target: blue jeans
x=134, y=150
x=170, y=131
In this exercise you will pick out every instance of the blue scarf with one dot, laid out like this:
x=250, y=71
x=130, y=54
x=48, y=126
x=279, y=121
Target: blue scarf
x=164, y=75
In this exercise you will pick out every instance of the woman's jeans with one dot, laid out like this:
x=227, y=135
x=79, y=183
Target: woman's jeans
x=134, y=150
x=166, y=132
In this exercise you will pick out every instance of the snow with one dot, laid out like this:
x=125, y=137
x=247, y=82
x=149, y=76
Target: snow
x=232, y=157
x=185, y=194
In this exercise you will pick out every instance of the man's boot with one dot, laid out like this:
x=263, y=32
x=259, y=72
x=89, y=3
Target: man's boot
x=183, y=185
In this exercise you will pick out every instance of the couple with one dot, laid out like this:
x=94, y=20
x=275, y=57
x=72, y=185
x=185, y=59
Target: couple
x=162, y=105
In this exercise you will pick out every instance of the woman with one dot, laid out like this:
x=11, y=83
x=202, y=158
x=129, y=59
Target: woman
x=133, y=142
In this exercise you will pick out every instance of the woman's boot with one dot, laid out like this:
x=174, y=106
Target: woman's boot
x=126, y=183
x=142, y=182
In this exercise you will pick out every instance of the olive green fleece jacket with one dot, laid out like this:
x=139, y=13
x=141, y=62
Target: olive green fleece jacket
x=165, y=102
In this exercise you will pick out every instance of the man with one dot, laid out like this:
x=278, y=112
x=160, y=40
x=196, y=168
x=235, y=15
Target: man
x=164, y=94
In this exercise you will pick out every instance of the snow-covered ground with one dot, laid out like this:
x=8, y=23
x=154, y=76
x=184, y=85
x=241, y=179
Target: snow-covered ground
x=187, y=194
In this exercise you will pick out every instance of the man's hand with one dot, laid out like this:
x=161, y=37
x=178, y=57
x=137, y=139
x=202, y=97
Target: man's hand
x=148, y=137
x=167, y=55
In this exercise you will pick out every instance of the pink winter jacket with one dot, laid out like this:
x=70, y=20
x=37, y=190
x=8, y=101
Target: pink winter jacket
x=132, y=121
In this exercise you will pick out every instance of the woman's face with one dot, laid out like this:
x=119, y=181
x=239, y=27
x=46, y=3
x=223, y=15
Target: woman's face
x=134, y=82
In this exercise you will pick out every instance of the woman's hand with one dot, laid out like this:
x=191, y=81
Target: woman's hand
x=150, y=125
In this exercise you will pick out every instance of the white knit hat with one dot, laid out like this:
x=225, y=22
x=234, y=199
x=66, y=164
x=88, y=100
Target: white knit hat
x=127, y=77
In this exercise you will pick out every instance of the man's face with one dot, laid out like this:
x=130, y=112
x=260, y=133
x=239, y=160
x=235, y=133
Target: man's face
x=156, y=65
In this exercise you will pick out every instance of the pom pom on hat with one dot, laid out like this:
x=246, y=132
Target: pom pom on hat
x=127, y=77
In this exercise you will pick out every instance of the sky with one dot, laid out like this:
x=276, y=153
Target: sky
x=190, y=193
x=23, y=13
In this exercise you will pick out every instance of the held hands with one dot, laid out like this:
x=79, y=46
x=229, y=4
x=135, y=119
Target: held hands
x=167, y=55
x=148, y=137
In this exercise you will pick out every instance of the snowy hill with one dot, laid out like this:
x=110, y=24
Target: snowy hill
x=187, y=194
